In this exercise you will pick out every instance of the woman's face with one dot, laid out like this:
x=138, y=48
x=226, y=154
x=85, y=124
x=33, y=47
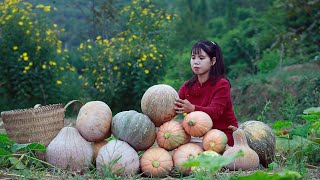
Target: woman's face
x=201, y=63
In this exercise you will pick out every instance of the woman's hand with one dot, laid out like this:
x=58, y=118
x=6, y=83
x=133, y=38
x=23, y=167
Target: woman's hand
x=183, y=106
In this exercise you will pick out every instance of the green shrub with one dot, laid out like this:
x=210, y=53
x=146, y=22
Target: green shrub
x=120, y=69
x=31, y=55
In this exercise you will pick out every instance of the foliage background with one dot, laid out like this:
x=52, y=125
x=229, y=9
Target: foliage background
x=113, y=50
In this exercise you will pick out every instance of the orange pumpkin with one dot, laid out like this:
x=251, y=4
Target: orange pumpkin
x=197, y=123
x=156, y=162
x=183, y=153
x=215, y=140
x=96, y=147
x=172, y=135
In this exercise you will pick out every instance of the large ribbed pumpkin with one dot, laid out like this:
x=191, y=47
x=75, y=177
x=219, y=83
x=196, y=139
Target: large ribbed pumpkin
x=119, y=156
x=183, y=153
x=158, y=103
x=94, y=121
x=134, y=128
x=261, y=139
x=156, y=162
x=197, y=123
x=172, y=135
x=215, y=140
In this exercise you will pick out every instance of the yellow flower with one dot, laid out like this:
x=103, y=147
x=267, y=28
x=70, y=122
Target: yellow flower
x=24, y=54
x=80, y=77
x=27, y=68
x=25, y=58
x=58, y=51
x=52, y=63
x=44, y=66
x=55, y=25
x=140, y=64
x=146, y=71
x=46, y=9
x=30, y=63
x=40, y=6
x=89, y=46
x=15, y=48
x=115, y=68
x=59, y=82
x=168, y=17
x=102, y=90
x=151, y=55
x=20, y=23
x=129, y=64
x=85, y=84
x=184, y=114
x=28, y=32
x=61, y=68
x=72, y=69
x=98, y=37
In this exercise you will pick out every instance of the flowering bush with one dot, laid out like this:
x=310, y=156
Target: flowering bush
x=31, y=55
x=119, y=70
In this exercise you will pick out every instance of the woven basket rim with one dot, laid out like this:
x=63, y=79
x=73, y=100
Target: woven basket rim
x=32, y=110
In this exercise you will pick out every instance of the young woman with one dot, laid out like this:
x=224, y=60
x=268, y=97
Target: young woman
x=208, y=90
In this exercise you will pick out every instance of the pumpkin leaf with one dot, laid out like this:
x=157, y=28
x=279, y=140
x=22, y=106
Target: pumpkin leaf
x=3, y=152
x=16, y=163
x=212, y=163
x=27, y=147
x=265, y=176
x=301, y=130
x=312, y=110
x=277, y=125
x=4, y=139
x=310, y=117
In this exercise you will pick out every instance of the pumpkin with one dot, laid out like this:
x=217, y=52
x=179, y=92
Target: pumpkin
x=69, y=150
x=96, y=147
x=119, y=156
x=158, y=103
x=156, y=162
x=250, y=160
x=197, y=123
x=215, y=140
x=183, y=153
x=94, y=121
x=134, y=128
x=171, y=135
x=261, y=139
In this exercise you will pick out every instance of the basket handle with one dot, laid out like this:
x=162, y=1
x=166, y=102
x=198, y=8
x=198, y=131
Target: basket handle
x=71, y=102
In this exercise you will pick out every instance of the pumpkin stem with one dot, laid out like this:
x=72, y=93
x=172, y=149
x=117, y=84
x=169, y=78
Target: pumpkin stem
x=155, y=163
x=166, y=135
x=212, y=144
x=232, y=128
x=191, y=123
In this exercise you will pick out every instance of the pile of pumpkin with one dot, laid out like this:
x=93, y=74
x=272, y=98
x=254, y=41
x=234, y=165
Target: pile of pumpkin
x=163, y=148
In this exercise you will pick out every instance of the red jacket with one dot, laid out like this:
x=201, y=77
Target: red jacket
x=215, y=100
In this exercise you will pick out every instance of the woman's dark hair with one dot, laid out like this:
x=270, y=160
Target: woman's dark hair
x=213, y=50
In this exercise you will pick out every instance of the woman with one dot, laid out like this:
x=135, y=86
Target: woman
x=208, y=90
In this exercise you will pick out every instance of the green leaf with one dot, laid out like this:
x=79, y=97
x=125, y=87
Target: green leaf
x=265, y=176
x=3, y=152
x=301, y=130
x=277, y=125
x=212, y=163
x=312, y=110
x=5, y=139
x=18, y=164
x=27, y=147
x=310, y=117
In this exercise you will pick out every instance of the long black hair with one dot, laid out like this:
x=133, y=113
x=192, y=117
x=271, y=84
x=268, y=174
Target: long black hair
x=213, y=50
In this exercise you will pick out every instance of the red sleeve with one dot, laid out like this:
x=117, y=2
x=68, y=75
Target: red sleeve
x=218, y=102
x=182, y=91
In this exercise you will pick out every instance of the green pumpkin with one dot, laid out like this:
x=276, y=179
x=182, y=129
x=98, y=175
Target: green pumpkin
x=134, y=128
x=261, y=139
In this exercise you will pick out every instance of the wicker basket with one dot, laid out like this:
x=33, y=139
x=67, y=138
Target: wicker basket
x=39, y=124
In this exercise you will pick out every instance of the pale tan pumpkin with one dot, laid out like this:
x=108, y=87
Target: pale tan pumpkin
x=94, y=121
x=156, y=162
x=250, y=160
x=172, y=135
x=197, y=123
x=158, y=103
x=215, y=140
x=69, y=150
x=119, y=156
x=183, y=153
